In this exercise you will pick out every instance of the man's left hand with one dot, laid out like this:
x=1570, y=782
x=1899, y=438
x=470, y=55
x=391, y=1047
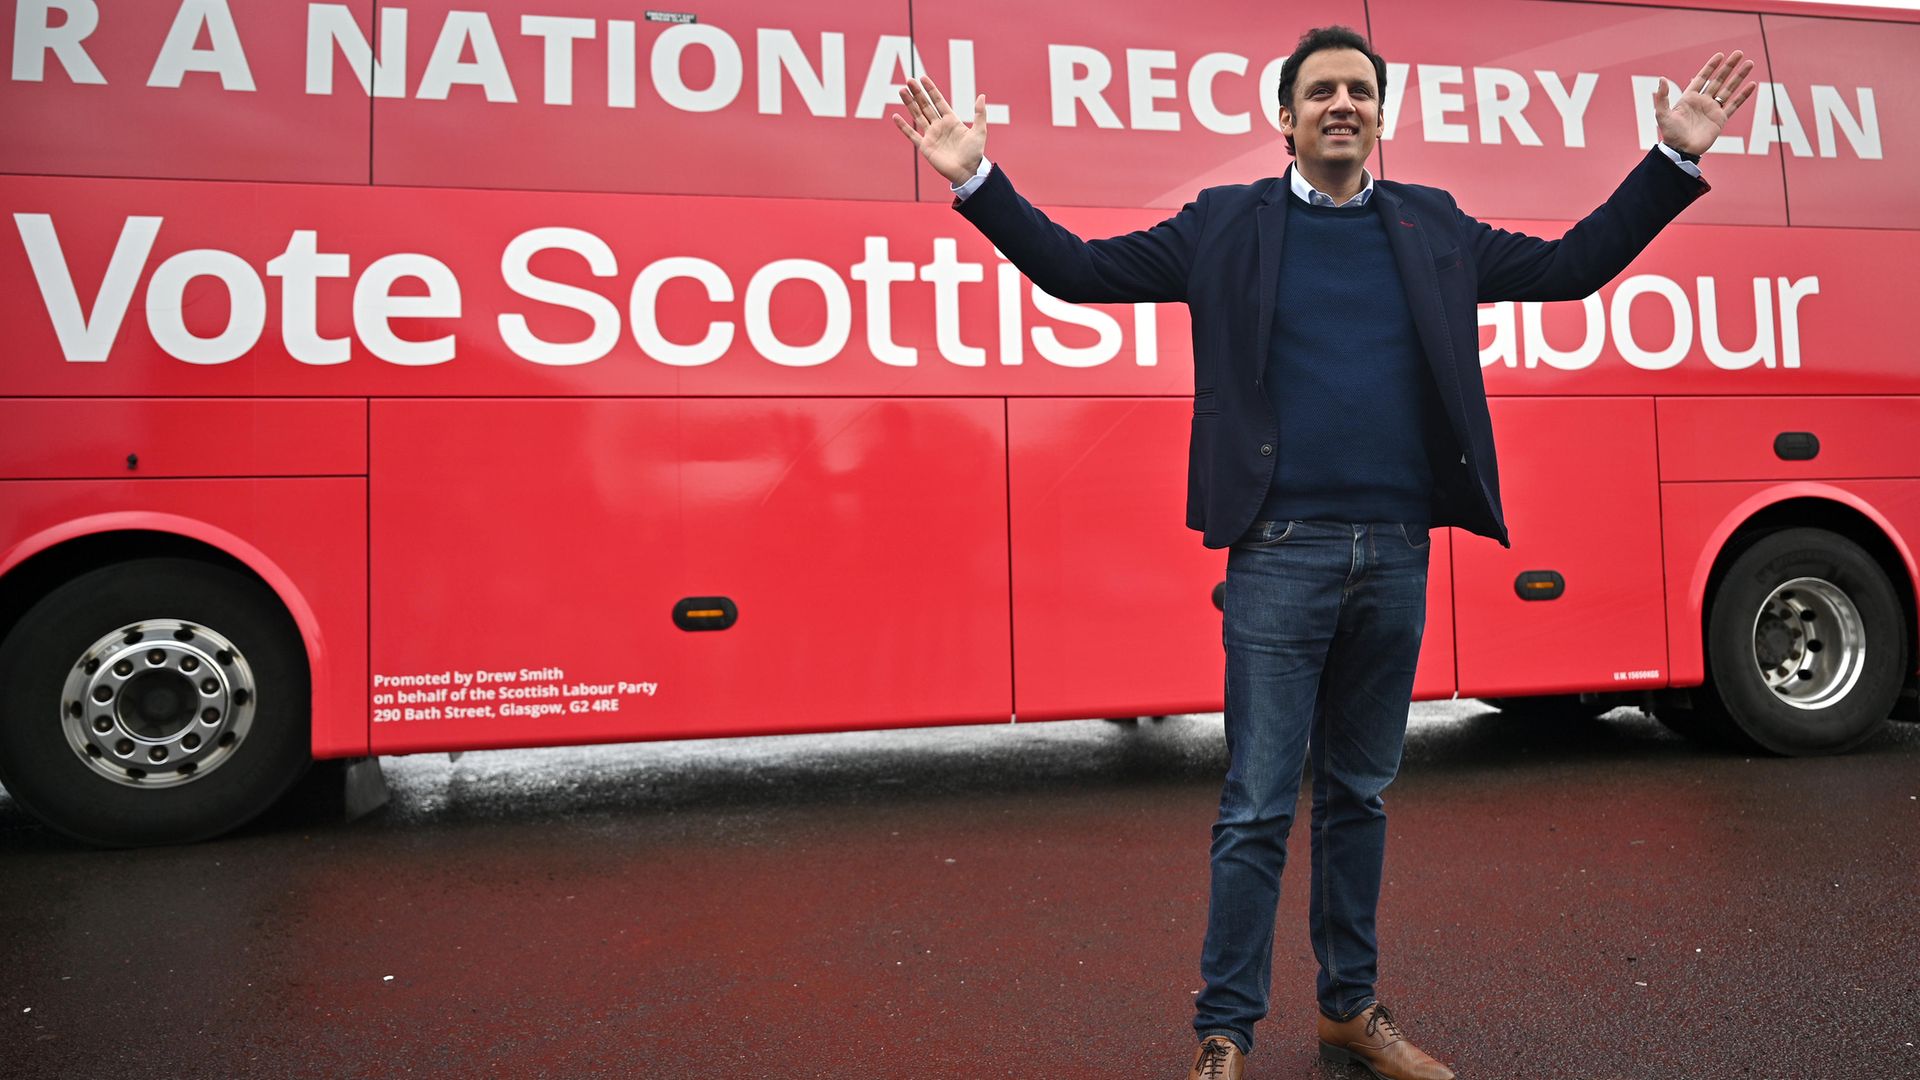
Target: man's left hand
x=1691, y=124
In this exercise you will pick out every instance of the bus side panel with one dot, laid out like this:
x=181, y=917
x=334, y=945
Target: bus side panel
x=783, y=118
x=695, y=296
x=129, y=438
x=1112, y=594
x=1698, y=518
x=529, y=557
x=151, y=91
x=311, y=531
x=1855, y=142
x=1741, y=438
x=1578, y=481
x=1476, y=111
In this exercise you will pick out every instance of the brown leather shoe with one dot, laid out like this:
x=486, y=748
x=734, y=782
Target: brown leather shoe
x=1217, y=1059
x=1374, y=1042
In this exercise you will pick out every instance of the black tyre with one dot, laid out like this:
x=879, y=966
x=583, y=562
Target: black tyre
x=1549, y=707
x=154, y=701
x=1806, y=645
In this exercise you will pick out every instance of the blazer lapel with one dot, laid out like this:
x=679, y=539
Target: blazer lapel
x=1271, y=222
x=1414, y=258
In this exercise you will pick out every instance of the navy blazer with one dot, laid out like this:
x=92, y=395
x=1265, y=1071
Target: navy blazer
x=1220, y=255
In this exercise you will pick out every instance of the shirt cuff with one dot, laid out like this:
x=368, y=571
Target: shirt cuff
x=1673, y=155
x=972, y=184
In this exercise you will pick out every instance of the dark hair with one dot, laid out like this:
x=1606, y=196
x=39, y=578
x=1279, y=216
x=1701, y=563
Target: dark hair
x=1320, y=39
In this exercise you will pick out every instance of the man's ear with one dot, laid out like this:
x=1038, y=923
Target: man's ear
x=1286, y=120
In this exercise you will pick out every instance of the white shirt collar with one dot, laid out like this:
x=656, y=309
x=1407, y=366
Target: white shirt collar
x=1313, y=196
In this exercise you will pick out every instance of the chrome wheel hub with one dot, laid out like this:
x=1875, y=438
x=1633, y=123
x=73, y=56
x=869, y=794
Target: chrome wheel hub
x=157, y=703
x=1809, y=645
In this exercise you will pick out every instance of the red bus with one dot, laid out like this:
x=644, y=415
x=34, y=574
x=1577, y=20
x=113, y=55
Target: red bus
x=413, y=376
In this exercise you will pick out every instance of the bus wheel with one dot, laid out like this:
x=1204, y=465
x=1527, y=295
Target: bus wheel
x=154, y=701
x=1549, y=707
x=1805, y=644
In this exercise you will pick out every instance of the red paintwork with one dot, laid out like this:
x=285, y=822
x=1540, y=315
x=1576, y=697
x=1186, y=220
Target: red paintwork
x=123, y=127
x=1112, y=600
x=80, y=438
x=941, y=542
x=1784, y=7
x=864, y=541
x=1732, y=438
x=1836, y=279
x=305, y=538
x=1837, y=283
x=468, y=232
x=591, y=146
x=1839, y=190
x=1697, y=519
x=1555, y=180
x=1580, y=499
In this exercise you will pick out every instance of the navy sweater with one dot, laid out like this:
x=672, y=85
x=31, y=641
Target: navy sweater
x=1346, y=376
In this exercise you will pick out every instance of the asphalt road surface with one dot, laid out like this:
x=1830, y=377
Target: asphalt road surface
x=1592, y=900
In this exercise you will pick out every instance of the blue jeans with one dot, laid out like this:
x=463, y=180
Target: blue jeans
x=1322, y=630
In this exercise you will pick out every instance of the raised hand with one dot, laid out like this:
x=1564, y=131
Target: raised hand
x=1692, y=123
x=951, y=147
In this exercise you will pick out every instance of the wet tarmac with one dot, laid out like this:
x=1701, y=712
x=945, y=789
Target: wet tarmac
x=1596, y=900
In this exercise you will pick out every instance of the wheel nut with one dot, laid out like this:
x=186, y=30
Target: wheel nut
x=189, y=664
x=156, y=657
x=209, y=686
x=103, y=693
x=103, y=725
x=191, y=742
x=157, y=754
x=211, y=716
x=123, y=747
x=124, y=667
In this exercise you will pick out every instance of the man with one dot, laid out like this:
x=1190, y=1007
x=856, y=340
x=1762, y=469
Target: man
x=1338, y=414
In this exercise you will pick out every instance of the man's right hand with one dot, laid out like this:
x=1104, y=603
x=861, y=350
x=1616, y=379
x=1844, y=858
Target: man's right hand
x=951, y=147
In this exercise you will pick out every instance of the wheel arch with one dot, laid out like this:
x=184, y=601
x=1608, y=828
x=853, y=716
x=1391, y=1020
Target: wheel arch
x=40, y=563
x=1808, y=505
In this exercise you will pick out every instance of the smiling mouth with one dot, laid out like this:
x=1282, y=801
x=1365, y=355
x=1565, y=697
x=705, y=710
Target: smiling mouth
x=1341, y=129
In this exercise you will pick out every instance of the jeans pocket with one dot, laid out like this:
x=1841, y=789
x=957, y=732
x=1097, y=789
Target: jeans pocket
x=1424, y=539
x=1281, y=530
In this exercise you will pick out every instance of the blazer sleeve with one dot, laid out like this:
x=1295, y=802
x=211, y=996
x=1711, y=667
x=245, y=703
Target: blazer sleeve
x=1146, y=266
x=1515, y=266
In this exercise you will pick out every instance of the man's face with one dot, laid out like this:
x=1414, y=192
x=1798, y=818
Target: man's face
x=1335, y=116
